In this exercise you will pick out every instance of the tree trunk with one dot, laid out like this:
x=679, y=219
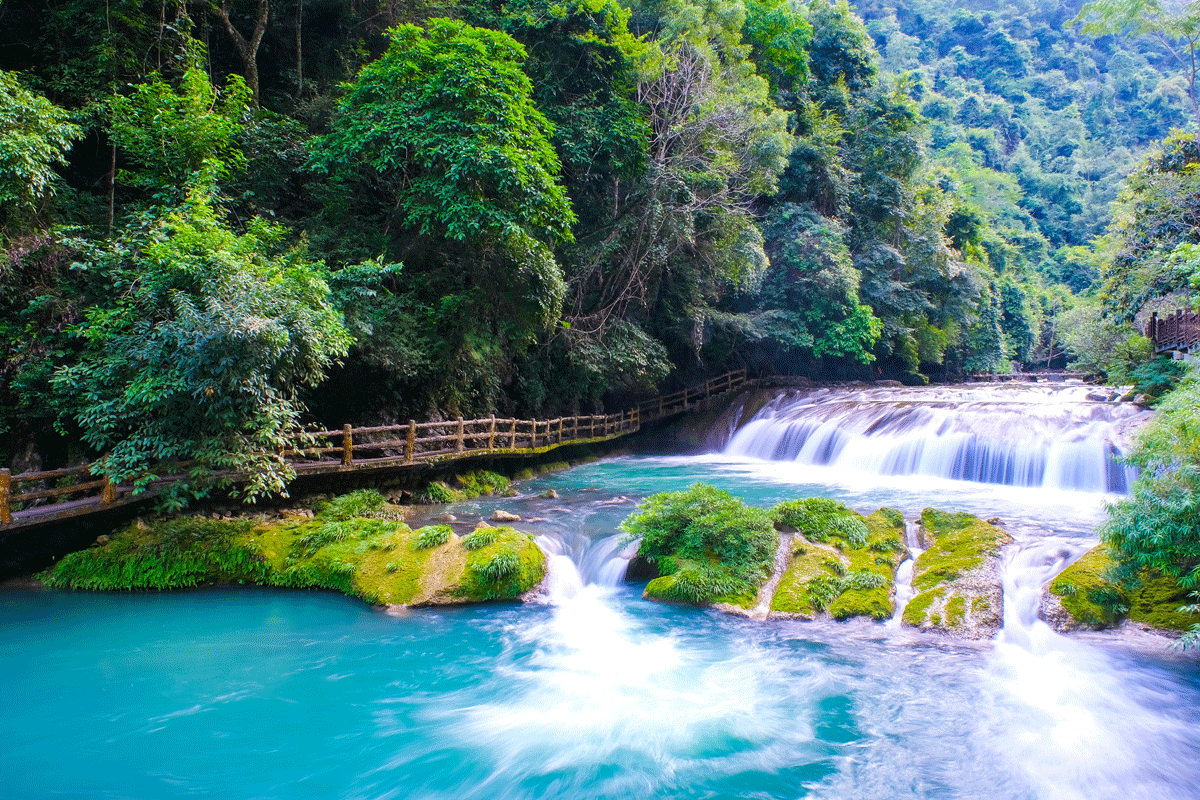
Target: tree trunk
x=247, y=50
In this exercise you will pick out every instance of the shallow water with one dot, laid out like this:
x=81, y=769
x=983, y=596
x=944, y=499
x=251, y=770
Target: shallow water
x=595, y=693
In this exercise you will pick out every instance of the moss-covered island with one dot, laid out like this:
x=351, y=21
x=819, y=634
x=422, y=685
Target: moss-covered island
x=840, y=562
x=1084, y=595
x=708, y=547
x=356, y=544
x=957, y=577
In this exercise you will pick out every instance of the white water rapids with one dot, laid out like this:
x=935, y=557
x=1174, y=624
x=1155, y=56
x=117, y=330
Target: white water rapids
x=1036, y=436
x=1032, y=715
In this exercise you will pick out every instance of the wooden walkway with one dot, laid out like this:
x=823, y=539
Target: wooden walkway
x=1178, y=332
x=35, y=498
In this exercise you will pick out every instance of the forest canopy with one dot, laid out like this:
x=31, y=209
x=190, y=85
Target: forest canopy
x=219, y=222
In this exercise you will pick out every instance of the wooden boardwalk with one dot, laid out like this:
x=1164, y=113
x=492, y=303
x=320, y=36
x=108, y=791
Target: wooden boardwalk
x=35, y=498
x=1174, y=333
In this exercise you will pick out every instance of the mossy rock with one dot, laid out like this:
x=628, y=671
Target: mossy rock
x=839, y=577
x=1084, y=595
x=381, y=561
x=957, y=578
x=1157, y=601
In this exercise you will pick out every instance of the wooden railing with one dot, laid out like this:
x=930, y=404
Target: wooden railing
x=75, y=490
x=1178, y=331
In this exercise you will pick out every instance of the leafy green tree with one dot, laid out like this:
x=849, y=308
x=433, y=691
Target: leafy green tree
x=1158, y=214
x=182, y=137
x=1176, y=26
x=35, y=135
x=442, y=129
x=202, y=351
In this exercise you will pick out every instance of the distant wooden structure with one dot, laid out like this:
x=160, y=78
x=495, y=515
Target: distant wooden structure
x=75, y=491
x=1174, y=333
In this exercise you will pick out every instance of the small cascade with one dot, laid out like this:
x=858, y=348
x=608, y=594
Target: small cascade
x=1065, y=438
x=572, y=565
x=904, y=573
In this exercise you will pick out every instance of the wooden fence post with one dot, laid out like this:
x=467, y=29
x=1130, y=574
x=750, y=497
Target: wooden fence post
x=458, y=442
x=512, y=445
x=492, y=434
x=412, y=440
x=110, y=491
x=560, y=423
x=347, y=445
x=5, y=496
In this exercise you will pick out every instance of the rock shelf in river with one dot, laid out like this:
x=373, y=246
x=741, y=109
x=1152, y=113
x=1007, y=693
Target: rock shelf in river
x=360, y=549
x=1084, y=596
x=957, y=577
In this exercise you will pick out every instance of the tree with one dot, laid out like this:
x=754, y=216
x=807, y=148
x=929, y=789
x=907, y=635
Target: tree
x=182, y=137
x=201, y=352
x=247, y=49
x=1177, y=28
x=1158, y=211
x=35, y=135
x=443, y=128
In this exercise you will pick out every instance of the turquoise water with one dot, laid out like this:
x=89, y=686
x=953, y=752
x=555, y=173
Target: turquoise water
x=595, y=693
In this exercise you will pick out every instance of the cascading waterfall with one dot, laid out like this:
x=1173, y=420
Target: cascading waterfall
x=1031, y=436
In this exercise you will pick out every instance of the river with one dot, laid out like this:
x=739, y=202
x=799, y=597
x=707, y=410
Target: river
x=594, y=693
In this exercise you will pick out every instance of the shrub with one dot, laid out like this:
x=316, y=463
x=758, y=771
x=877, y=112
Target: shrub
x=504, y=564
x=814, y=517
x=433, y=535
x=435, y=493
x=361, y=503
x=480, y=538
x=729, y=547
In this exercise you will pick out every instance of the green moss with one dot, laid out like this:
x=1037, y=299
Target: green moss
x=855, y=581
x=958, y=543
x=917, y=610
x=553, y=466
x=377, y=560
x=1087, y=594
x=1157, y=601
x=510, y=565
x=956, y=610
x=524, y=474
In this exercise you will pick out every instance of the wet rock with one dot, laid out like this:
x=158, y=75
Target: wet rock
x=957, y=579
x=103, y=539
x=446, y=518
x=499, y=515
x=549, y=494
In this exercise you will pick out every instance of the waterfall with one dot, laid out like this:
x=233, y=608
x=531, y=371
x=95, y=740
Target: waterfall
x=1034, y=436
x=573, y=563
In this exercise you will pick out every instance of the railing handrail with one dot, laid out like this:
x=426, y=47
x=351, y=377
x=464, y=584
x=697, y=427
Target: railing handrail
x=467, y=438
x=1177, y=331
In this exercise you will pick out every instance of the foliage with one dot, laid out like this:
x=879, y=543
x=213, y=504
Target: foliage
x=432, y=536
x=480, y=538
x=182, y=137
x=818, y=518
x=35, y=135
x=1156, y=530
x=201, y=354
x=179, y=553
x=727, y=548
x=1156, y=219
x=359, y=503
